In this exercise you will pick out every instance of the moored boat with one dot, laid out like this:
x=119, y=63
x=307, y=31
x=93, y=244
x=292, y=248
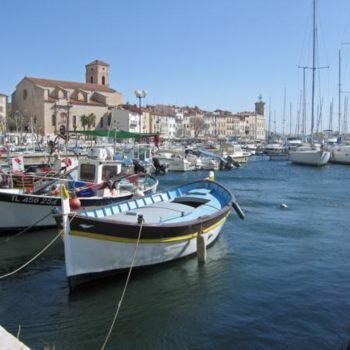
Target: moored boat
x=22, y=209
x=341, y=154
x=310, y=155
x=163, y=226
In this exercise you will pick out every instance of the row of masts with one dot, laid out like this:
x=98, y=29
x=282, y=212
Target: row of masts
x=301, y=119
x=316, y=118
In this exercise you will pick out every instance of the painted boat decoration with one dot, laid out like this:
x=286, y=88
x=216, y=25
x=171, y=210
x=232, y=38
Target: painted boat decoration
x=21, y=210
x=172, y=220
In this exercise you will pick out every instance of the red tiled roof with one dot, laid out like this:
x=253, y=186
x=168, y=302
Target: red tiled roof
x=70, y=84
x=101, y=63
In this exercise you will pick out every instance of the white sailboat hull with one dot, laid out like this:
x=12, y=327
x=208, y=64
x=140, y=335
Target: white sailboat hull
x=341, y=154
x=315, y=157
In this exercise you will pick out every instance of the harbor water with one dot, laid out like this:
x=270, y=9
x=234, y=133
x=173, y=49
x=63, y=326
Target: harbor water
x=280, y=279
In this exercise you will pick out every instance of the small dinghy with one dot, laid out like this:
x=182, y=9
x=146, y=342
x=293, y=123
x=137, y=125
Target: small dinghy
x=163, y=227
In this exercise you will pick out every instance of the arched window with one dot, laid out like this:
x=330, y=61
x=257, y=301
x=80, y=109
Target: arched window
x=103, y=80
x=91, y=79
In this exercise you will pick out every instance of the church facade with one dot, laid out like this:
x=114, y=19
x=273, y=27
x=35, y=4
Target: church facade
x=53, y=105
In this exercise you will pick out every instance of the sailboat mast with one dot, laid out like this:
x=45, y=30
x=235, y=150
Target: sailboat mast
x=313, y=68
x=290, y=118
x=339, y=91
x=284, y=111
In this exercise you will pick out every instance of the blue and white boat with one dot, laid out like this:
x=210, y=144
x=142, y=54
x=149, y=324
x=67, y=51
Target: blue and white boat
x=102, y=241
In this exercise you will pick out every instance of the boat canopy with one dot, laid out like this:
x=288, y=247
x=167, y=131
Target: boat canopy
x=115, y=134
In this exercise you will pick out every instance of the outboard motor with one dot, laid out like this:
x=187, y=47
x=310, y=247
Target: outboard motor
x=231, y=163
x=222, y=165
x=160, y=168
x=138, y=167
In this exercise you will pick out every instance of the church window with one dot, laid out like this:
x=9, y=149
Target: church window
x=25, y=94
x=91, y=79
x=103, y=80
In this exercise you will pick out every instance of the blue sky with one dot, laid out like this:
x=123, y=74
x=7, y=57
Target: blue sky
x=213, y=54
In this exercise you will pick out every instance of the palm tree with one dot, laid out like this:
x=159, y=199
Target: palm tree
x=84, y=121
x=91, y=119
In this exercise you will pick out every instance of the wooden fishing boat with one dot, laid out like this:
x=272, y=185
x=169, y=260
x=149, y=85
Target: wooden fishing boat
x=21, y=209
x=101, y=241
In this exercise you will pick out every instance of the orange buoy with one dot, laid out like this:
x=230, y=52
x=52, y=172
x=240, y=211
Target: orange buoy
x=74, y=203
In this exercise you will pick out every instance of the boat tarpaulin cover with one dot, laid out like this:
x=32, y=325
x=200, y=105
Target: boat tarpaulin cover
x=115, y=134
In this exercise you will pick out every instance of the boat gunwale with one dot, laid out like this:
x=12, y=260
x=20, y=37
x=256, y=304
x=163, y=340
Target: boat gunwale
x=200, y=219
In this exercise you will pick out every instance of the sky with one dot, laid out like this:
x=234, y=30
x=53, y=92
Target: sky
x=218, y=54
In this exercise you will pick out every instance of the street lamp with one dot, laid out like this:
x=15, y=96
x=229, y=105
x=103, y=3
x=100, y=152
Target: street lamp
x=140, y=94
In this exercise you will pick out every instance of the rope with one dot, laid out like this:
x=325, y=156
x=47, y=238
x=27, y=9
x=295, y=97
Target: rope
x=37, y=255
x=125, y=287
x=26, y=229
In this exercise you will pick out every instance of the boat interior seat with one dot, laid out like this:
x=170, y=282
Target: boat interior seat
x=155, y=213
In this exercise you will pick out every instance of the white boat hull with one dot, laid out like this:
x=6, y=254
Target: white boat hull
x=177, y=164
x=18, y=215
x=310, y=157
x=341, y=154
x=117, y=256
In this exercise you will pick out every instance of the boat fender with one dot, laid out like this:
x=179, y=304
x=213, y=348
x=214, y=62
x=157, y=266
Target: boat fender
x=283, y=206
x=211, y=176
x=74, y=203
x=238, y=210
x=139, y=193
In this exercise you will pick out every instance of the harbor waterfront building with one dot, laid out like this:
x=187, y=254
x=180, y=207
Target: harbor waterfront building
x=3, y=111
x=51, y=105
x=128, y=118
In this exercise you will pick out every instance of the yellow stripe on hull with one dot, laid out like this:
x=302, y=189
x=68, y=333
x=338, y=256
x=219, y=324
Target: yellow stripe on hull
x=145, y=241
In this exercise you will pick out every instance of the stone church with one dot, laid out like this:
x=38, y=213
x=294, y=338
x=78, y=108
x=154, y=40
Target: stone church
x=53, y=105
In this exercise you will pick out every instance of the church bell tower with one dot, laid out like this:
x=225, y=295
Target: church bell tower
x=97, y=72
x=260, y=106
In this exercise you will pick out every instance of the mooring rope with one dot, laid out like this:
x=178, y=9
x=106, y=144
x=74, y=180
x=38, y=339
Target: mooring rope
x=26, y=229
x=38, y=254
x=125, y=287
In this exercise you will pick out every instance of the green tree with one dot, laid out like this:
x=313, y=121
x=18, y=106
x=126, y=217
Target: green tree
x=84, y=121
x=91, y=120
